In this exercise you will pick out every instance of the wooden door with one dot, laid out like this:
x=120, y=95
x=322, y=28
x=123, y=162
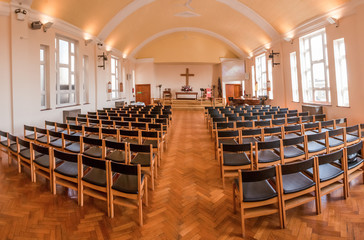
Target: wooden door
x=142, y=93
x=233, y=90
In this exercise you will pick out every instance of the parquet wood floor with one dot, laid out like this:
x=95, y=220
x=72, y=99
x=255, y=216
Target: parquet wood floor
x=188, y=203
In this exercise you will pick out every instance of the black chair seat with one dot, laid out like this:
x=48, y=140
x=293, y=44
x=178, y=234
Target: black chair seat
x=153, y=142
x=96, y=176
x=14, y=148
x=30, y=136
x=333, y=142
x=327, y=172
x=296, y=182
x=69, y=169
x=4, y=143
x=74, y=147
x=44, y=161
x=257, y=191
x=249, y=140
x=130, y=140
x=291, y=135
x=142, y=158
x=352, y=163
x=271, y=138
x=92, y=136
x=267, y=156
x=227, y=141
x=127, y=183
x=311, y=132
x=313, y=146
x=57, y=143
x=76, y=133
x=292, y=151
x=117, y=156
x=44, y=139
x=26, y=153
x=349, y=138
x=111, y=139
x=236, y=159
x=95, y=152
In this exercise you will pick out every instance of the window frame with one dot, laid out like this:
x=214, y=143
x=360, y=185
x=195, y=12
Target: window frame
x=307, y=71
x=44, y=92
x=341, y=76
x=59, y=65
x=294, y=77
x=261, y=75
x=115, y=91
x=270, y=78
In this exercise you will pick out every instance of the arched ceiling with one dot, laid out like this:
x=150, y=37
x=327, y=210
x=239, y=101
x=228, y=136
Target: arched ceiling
x=127, y=24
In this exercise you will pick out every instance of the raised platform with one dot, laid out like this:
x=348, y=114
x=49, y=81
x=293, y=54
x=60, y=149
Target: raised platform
x=192, y=104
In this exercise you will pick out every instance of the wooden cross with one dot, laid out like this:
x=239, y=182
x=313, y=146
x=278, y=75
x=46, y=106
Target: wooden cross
x=187, y=75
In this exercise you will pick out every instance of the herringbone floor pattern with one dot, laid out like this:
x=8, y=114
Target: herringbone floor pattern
x=188, y=203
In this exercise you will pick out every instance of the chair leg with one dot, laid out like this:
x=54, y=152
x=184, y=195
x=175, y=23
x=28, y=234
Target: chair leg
x=234, y=203
x=19, y=165
x=152, y=179
x=81, y=195
x=146, y=192
x=54, y=184
x=111, y=205
x=242, y=221
x=140, y=208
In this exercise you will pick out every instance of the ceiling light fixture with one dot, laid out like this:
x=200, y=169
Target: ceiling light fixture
x=88, y=41
x=333, y=20
x=20, y=14
x=47, y=26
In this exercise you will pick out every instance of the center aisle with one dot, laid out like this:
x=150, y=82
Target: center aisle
x=189, y=201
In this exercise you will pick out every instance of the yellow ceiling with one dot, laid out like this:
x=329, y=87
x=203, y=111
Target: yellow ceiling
x=186, y=47
x=285, y=15
x=159, y=16
x=89, y=15
x=92, y=16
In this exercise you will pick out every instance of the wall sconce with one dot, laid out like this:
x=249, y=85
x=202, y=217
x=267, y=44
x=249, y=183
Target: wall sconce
x=88, y=41
x=20, y=14
x=47, y=26
x=99, y=45
x=271, y=55
x=288, y=39
x=332, y=20
x=104, y=59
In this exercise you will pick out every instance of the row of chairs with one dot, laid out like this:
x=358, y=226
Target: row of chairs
x=120, y=170
x=233, y=154
x=281, y=187
x=269, y=121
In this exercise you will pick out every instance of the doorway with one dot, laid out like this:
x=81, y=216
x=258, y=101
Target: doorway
x=233, y=90
x=142, y=93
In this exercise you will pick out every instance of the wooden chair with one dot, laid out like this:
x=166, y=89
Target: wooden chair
x=92, y=132
x=256, y=196
x=293, y=120
x=92, y=147
x=352, y=135
x=291, y=149
x=110, y=134
x=4, y=141
x=153, y=138
x=319, y=117
x=266, y=155
x=311, y=128
x=42, y=163
x=292, y=131
x=72, y=143
x=272, y=134
x=49, y=125
x=226, y=137
x=278, y=122
x=330, y=177
x=66, y=173
x=296, y=187
x=341, y=123
x=62, y=127
x=55, y=140
x=327, y=126
x=263, y=123
x=76, y=130
x=315, y=144
x=94, y=179
x=244, y=125
x=129, y=136
x=13, y=148
x=129, y=183
x=234, y=157
x=354, y=155
x=29, y=133
x=122, y=125
x=24, y=155
x=144, y=156
x=251, y=135
x=335, y=139
x=42, y=136
x=116, y=151
x=306, y=119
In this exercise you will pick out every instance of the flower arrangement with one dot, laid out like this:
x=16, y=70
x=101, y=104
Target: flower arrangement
x=186, y=88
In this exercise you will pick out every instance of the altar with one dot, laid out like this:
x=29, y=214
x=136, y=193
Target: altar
x=186, y=95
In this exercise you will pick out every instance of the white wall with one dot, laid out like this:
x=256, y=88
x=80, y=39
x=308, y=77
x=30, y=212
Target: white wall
x=20, y=75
